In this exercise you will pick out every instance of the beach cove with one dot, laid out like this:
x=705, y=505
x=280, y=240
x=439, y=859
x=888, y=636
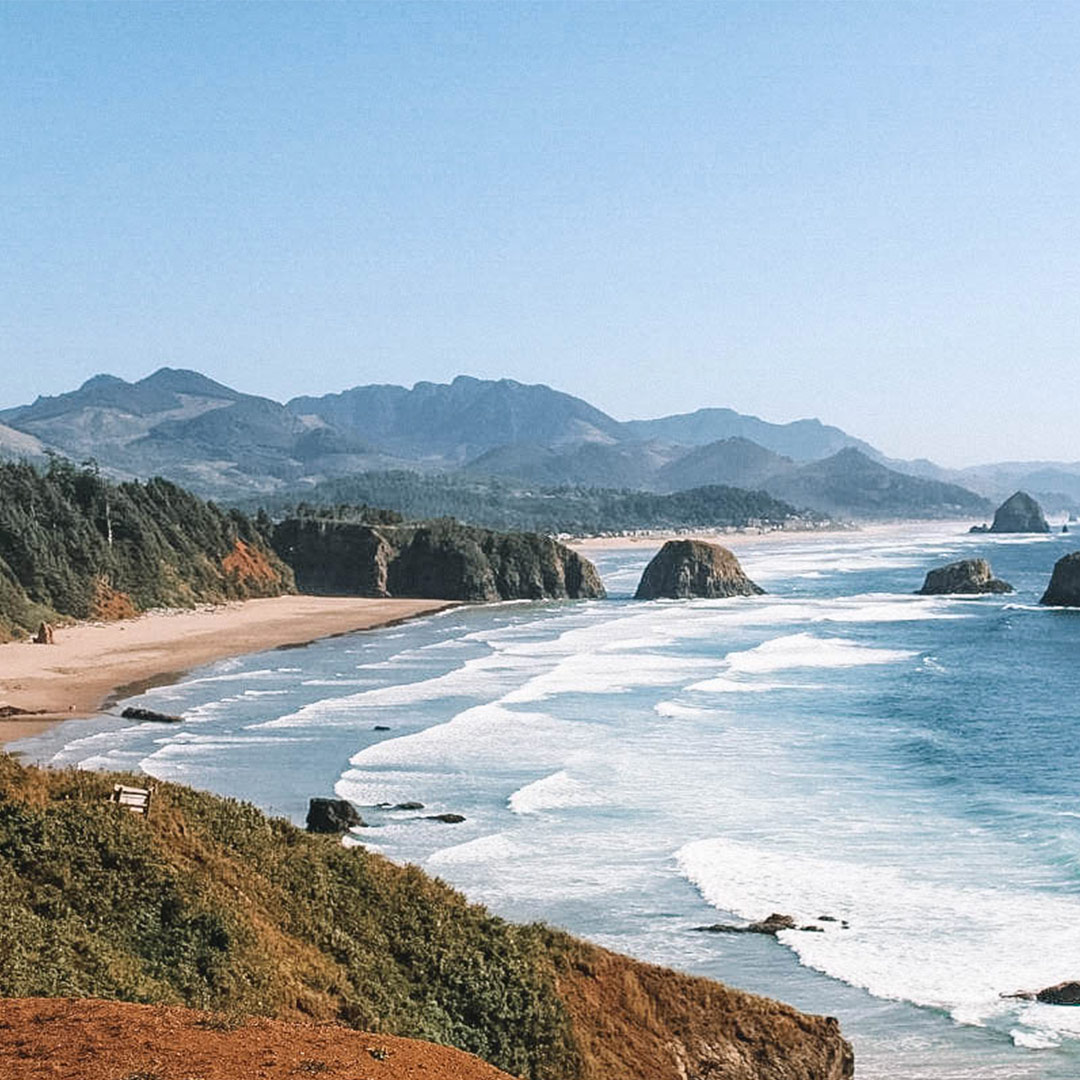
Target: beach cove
x=836, y=748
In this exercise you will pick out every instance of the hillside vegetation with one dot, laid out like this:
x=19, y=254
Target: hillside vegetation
x=208, y=903
x=73, y=544
x=502, y=504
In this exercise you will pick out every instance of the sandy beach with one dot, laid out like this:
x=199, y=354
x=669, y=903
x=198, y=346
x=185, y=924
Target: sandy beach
x=737, y=540
x=89, y=663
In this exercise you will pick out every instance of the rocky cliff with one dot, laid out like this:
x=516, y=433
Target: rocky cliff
x=682, y=569
x=208, y=903
x=1064, y=587
x=73, y=544
x=439, y=560
x=965, y=576
x=1019, y=513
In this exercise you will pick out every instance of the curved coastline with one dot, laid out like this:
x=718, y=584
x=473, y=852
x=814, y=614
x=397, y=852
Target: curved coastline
x=92, y=664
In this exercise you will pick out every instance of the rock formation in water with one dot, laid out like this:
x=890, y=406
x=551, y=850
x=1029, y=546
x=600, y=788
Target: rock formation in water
x=683, y=569
x=1019, y=513
x=332, y=816
x=1064, y=587
x=965, y=576
x=439, y=560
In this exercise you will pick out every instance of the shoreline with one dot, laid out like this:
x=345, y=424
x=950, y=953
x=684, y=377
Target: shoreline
x=94, y=665
x=752, y=538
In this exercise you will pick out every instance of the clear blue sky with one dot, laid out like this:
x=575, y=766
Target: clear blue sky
x=865, y=212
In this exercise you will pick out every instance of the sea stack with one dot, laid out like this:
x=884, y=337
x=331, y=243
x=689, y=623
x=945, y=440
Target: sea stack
x=1064, y=587
x=965, y=576
x=1020, y=513
x=684, y=569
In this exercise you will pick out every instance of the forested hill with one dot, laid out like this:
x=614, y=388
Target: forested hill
x=74, y=544
x=500, y=504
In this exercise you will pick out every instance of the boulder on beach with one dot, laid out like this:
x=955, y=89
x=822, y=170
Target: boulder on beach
x=1020, y=513
x=332, y=816
x=1064, y=587
x=683, y=569
x=965, y=576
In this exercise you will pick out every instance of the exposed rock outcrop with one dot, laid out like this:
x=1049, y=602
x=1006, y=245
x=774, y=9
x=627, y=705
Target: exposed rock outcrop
x=682, y=569
x=1019, y=513
x=44, y=635
x=440, y=560
x=770, y=926
x=1064, y=587
x=332, y=816
x=1066, y=993
x=134, y=713
x=965, y=576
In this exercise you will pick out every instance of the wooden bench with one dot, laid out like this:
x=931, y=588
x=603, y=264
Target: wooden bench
x=136, y=799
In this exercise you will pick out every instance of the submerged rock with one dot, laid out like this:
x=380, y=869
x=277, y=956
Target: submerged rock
x=683, y=569
x=332, y=816
x=1064, y=587
x=1020, y=513
x=965, y=576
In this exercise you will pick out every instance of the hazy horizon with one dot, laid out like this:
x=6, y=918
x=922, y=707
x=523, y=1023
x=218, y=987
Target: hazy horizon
x=863, y=214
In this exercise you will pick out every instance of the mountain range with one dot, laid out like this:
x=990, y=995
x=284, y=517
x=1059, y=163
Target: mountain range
x=228, y=445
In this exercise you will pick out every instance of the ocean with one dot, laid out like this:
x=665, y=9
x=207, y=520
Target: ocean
x=901, y=772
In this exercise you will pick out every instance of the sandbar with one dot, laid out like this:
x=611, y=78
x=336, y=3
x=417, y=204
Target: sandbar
x=90, y=663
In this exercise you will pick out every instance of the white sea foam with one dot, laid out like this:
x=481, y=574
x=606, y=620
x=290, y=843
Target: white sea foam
x=912, y=936
x=676, y=711
x=555, y=792
x=495, y=847
x=483, y=736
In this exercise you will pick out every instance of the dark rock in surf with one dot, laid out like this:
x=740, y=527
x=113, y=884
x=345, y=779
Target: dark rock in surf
x=683, y=569
x=1066, y=993
x=446, y=819
x=771, y=926
x=332, y=816
x=1064, y=587
x=966, y=576
x=408, y=806
x=133, y=713
x=1019, y=513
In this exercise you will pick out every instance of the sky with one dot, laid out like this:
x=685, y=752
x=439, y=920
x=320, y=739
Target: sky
x=864, y=212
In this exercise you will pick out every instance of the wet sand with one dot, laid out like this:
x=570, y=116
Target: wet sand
x=91, y=663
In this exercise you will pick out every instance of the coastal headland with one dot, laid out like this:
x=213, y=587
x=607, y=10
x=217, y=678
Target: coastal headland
x=92, y=662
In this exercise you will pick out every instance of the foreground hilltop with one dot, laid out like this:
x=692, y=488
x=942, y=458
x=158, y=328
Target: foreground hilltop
x=207, y=903
x=85, y=1039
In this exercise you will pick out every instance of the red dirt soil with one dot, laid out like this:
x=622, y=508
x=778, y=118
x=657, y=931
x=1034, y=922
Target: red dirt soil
x=65, y=1039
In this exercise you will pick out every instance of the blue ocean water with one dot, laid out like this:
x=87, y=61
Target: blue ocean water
x=837, y=748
